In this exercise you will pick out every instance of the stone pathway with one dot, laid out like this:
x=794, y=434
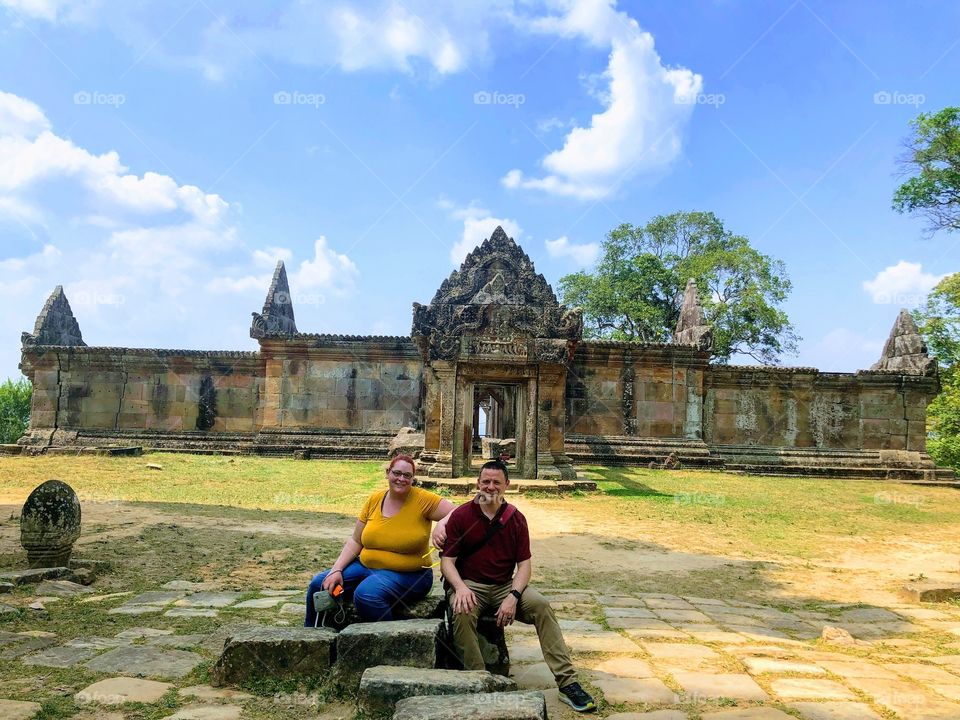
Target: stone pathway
x=649, y=656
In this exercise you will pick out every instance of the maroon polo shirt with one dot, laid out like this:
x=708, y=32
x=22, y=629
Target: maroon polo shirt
x=494, y=562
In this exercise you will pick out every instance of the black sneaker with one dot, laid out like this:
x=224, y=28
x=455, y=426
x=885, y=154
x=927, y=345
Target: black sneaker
x=577, y=698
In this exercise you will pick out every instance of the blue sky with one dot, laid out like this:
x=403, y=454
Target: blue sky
x=156, y=159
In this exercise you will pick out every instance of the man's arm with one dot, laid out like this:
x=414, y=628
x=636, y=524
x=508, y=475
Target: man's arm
x=464, y=600
x=508, y=608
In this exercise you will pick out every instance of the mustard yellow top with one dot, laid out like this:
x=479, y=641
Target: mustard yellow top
x=400, y=542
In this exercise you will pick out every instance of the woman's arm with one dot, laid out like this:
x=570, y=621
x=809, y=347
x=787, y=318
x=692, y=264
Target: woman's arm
x=351, y=549
x=441, y=514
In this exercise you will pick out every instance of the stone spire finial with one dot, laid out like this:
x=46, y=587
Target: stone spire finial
x=692, y=329
x=905, y=352
x=55, y=324
x=277, y=316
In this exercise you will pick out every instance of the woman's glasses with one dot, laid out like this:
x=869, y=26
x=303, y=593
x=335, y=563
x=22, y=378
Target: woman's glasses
x=401, y=474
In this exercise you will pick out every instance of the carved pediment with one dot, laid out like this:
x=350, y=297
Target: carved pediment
x=496, y=296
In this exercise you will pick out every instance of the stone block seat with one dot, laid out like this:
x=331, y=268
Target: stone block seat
x=383, y=686
x=407, y=643
x=526, y=705
x=277, y=652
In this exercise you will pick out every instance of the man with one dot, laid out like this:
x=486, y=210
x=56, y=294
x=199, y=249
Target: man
x=486, y=539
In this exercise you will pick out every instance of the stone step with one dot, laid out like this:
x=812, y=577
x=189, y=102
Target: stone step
x=275, y=652
x=383, y=686
x=407, y=643
x=526, y=705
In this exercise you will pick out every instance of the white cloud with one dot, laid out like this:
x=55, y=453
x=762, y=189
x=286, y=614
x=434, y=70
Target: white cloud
x=328, y=270
x=268, y=256
x=646, y=108
x=583, y=255
x=903, y=284
x=478, y=229
x=50, y=10
x=21, y=117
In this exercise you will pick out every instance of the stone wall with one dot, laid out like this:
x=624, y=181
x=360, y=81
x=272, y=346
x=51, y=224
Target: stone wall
x=804, y=408
x=636, y=391
x=159, y=390
x=315, y=383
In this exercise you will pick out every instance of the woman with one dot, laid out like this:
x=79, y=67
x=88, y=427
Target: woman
x=386, y=560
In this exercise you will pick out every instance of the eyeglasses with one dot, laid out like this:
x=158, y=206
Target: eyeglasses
x=401, y=474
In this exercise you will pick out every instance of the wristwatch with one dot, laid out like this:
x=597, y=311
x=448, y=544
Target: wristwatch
x=517, y=594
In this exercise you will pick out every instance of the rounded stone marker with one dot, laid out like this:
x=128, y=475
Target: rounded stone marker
x=50, y=524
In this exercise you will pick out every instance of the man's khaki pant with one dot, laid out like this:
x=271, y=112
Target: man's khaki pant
x=532, y=609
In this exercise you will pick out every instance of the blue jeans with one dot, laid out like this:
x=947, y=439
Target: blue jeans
x=374, y=592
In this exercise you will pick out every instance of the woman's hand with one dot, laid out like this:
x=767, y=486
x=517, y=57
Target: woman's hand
x=333, y=578
x=439, y=535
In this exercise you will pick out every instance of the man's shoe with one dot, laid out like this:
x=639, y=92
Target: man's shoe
x=577, y=698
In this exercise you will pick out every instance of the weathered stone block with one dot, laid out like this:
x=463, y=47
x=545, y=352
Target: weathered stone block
x=526, y=705
x=276, y=652
x=412, y=643
x=383, y=686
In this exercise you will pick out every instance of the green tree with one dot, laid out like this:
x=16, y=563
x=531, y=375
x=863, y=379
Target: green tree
x=933, y=162
x=14, y=409
x=939, y=323
x=634, y=292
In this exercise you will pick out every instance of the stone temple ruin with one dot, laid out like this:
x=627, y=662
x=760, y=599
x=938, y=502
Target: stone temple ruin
x=493, y=348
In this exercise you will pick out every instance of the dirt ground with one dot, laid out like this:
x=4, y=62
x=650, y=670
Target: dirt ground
x=571, y=548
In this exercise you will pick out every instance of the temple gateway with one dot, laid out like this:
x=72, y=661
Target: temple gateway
x=493, y=355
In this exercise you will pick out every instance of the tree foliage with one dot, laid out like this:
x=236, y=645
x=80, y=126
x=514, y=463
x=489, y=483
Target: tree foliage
x=939, y=323
x=14, y=409
x=634, y=293
x=933, y=161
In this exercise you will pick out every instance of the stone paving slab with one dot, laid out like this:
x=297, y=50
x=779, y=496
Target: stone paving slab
x=703, y=686
x=907, y=699
x=156, y=597
x=118, y=690
x=18, y=709
x=655, y=715
x=62, y=588
x=98, y=643
x=760, y=665
x=609, y=642
x=853, y=669
x=207, y=712
x=104, y=598
x=523, y=705
x=689, y=616
x=717, y=636
x=208, y=692
x=532, y=676
x=260, y=603
x=654, y=633
x=835, y=711
x=627, y=612
x=177, y=641
x=917, y=671
x=135, y=609
x=525, y=652
x=60, y=657
x=810, y=689
x=135, y=633
x=621, y=601
x=682, y=655
x=190, y=612
x=146, y=661
x=31, y=644
x=209, y=599
x=627, y=667
x=757, y=713
x=650, y=691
